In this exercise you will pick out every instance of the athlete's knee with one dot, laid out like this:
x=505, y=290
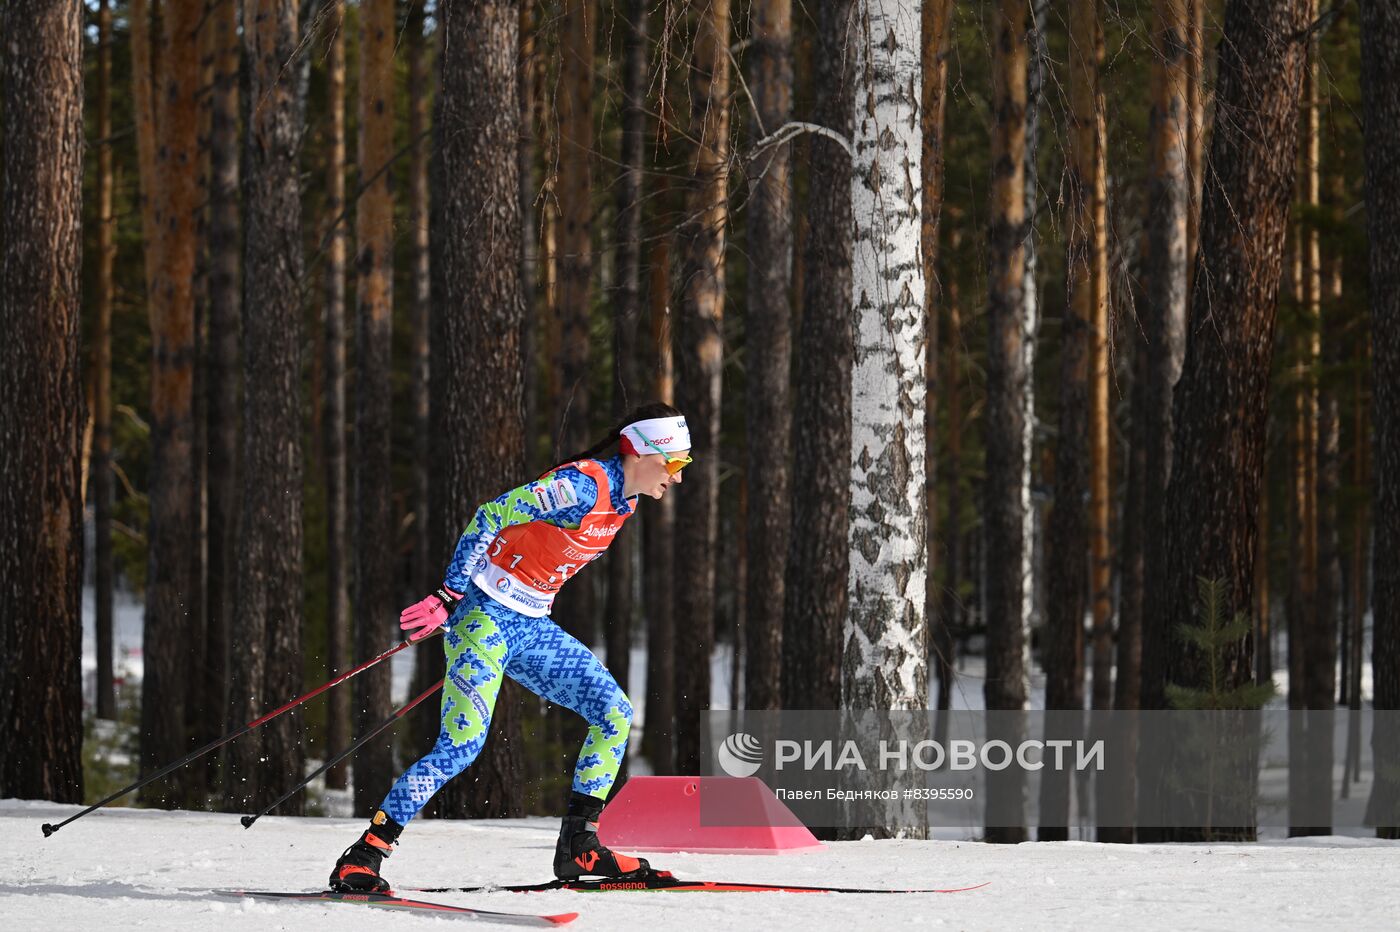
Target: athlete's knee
x=624, y=707
x=616, y=717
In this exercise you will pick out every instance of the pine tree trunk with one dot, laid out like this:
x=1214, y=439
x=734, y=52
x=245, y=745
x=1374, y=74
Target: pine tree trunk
x=1358, y=566
x=1116, y=799
x=143, y=73
x=659, y=525
x=701, y=362
x=549, y=337
x=1322, y=640
x=531, y=72
x=478, y=445
x=266, y=660
x=222, y=375
x=171, y=641
x=1219, y=406
x=1196, y=55
x=1068, y=533
x=628, y=301
x=1100, y=544
x=1157, y=364
x=428, y=565
x=1133, y=543
x=102, y=353
x=41, y=404
x=578, y=27
x=768, y=333
x=734, y=552
x=337, y=508
x=1301, y=602
x=1003, y=527
x=935, y=40
x=1380, y=72
x=1316, y=644
x=815, y=599
x=575, y=610
x=375, y=550
x=950, y=615
x=1036, y=60
x=1218, y=409
x=1263, y=620
x=1297, y=599
x=1167, y=264
x=204, y=708
x=531, y=76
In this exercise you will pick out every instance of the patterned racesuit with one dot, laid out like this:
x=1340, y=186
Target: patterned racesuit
x=502, y=627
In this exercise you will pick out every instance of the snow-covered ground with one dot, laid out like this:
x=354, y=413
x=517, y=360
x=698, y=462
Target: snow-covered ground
x=125, y=868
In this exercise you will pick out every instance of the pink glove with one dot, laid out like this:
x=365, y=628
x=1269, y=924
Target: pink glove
x=423, y=618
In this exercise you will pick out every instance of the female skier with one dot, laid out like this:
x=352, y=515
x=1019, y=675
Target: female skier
x=494, y=607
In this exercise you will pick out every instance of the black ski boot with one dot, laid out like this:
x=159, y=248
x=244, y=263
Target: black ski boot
x=357, y=871
x=579, y=853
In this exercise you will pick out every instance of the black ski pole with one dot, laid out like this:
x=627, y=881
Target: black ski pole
x=248, y=820
x=49, y=829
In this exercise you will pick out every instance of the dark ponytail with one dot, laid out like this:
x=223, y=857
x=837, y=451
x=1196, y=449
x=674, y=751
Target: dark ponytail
x=639, y=413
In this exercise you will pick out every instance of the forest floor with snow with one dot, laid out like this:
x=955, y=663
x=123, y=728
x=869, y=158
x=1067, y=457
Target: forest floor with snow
x=129, y=868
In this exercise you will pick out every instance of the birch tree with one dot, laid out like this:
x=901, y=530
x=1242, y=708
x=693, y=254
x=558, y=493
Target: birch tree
x=886, y=632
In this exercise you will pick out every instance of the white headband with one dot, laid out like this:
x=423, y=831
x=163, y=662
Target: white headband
x=668, y=433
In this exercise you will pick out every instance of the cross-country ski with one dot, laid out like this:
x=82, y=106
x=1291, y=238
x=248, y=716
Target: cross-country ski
x=392, y=902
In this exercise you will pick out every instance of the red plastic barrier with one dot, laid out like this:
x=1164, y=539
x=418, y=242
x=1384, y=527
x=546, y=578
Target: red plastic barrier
x=664, y=814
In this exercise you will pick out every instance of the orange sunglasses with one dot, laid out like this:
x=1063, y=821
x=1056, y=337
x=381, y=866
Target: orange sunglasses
x=674, y=464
